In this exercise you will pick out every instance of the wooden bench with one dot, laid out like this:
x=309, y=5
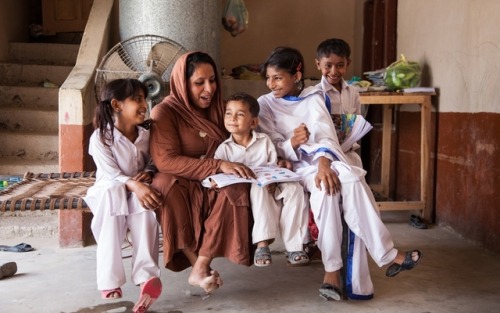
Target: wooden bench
x=55, y=191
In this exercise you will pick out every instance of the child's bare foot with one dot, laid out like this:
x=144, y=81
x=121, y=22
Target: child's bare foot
x=262, y=256
x=332, y=278
x=331, y=287
x=401, y=256
x=404, y=261
x=115, y=293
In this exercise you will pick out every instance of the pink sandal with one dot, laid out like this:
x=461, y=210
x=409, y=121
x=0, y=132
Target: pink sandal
x=111, y=294
x=150, y=291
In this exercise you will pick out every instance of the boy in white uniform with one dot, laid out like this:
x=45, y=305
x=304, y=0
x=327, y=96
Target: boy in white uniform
x=276, y=207
x=332, y=60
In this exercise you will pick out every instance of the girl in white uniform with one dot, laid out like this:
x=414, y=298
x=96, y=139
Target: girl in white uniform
x=301, y=128
x=121, y=198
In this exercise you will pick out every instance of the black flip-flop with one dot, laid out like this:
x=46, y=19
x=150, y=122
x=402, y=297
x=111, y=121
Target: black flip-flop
x=407, y=264
x=330, y=292
x=417, y=222
x=22, y=247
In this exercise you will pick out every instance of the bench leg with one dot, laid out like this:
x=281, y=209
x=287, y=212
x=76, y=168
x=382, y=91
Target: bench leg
x=74, y=228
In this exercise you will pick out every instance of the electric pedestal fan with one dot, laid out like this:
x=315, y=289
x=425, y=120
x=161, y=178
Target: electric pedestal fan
x=148, y=58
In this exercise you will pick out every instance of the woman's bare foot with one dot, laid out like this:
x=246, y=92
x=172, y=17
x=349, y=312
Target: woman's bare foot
x=212, y=282
x=209, y=282
x=202, y=275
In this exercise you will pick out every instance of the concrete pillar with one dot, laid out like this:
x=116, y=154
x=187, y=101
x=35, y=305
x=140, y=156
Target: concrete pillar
x=194, y=24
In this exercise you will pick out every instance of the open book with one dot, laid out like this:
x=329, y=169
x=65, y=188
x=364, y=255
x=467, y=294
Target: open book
x=265, y=176
x=350, y=129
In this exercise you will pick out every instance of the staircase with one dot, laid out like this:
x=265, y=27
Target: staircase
x=29, y=124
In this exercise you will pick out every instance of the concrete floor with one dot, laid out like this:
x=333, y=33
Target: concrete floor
x=454, y=276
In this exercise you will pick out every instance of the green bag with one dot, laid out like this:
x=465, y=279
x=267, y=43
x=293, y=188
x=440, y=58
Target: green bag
x=402, y=74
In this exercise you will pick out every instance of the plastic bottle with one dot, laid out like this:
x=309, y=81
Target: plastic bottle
x=7, y=180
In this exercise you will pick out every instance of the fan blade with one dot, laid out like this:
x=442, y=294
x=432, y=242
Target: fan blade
x=114, y=66
x=163, y=55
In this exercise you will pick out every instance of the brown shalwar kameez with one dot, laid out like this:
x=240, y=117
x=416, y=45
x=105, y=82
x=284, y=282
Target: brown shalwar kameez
x=183, y=141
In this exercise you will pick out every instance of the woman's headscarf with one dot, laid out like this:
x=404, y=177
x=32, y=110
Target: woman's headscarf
x=179, y=101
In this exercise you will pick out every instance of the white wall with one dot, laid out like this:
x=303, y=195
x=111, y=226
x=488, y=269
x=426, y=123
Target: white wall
x=459, y=42
x=301, y=24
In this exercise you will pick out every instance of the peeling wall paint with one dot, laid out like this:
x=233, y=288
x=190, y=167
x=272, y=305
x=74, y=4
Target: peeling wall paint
x=466, y=171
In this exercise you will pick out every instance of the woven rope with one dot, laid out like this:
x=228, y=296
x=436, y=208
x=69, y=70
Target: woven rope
x=47, y=191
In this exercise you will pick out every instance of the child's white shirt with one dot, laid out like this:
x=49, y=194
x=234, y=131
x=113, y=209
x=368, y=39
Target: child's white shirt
x=345, y=102
x=260, y=151
x=123, y=159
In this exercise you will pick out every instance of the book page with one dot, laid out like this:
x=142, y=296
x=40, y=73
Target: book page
x=350, y=129
x=265, y=176
x=360, y=128
x=269, y=175
x=223, y=180
x=420, y=89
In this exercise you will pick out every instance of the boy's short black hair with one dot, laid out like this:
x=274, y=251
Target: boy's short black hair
x=333, y=46
x=248, y=100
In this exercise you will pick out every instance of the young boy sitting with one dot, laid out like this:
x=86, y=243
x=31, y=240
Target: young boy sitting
x=333, y=60
x=276, y=207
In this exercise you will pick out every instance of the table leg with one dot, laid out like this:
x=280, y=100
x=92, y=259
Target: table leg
x=386, y=149
x=425, y=173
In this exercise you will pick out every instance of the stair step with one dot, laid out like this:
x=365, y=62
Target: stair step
x=19, y=166
x=29, y=93
x=16, y=119
x=32, y=75
x=43, y=53
x=29, y=97
x=34, y=145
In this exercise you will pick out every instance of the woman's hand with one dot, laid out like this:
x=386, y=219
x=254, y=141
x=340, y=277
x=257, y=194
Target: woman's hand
x=144, y=177
x=327, y=176
x=149, y=198
x=238, y=169
x=300, y=135
x=213, y=183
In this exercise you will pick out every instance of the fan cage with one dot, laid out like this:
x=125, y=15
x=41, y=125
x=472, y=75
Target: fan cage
x=136, y=56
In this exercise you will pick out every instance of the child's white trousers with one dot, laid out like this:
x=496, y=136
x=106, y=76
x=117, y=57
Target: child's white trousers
x=110, y=231
x=360, y=213
x=358, y=280
x=284, y=212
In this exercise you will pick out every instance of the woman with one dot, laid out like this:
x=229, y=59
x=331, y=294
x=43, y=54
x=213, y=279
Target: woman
x=198, y=223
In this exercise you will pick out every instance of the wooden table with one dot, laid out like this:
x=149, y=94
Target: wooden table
x=389, y=100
